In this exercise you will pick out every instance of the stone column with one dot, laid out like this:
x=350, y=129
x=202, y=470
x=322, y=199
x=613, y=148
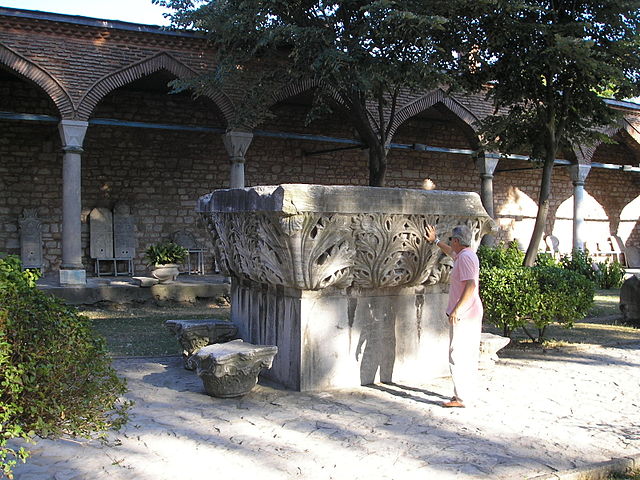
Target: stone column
x=578, y=176
x=237, y=143
x=72, y=133
x=486, y=164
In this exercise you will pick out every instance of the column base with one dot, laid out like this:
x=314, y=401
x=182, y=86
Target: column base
x=73, y=277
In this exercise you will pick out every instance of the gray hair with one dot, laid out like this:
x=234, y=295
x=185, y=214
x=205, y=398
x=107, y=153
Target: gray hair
x=463, y=234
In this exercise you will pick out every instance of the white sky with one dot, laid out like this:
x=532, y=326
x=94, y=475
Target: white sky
x=137, y=11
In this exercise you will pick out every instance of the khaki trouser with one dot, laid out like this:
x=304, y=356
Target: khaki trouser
x=464, y=351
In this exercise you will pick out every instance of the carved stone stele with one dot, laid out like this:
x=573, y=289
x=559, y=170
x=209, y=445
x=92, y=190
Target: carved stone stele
x=31, y=239
x=195, y=334
x=231, y=369
x=340, y=278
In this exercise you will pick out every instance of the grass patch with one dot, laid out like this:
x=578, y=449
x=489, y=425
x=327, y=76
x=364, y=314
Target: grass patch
x=138, y=330
x=606, y=303
x=635, y=475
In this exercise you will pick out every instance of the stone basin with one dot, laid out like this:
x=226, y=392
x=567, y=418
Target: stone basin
x=340, y=278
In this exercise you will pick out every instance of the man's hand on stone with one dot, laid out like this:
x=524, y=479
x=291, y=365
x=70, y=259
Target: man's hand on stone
x=431, y=233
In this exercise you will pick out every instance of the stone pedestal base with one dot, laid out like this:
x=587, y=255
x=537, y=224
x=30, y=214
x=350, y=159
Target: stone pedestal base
x=73, y=277
x=231, y=369
x=331, y=339
x=195, y=334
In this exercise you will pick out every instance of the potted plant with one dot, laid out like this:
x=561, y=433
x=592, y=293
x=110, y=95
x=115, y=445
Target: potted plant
x=164, y=257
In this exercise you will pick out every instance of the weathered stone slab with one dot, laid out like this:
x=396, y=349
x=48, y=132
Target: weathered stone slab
x=124, y=240
x=31, y=239
x=231, y=369
x=630, y=300
x=490, y=344
x=195, y=334
x=101, y=228
x=145, y=282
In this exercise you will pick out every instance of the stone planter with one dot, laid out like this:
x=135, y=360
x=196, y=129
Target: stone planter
x=231, y=369
x=341, y=279
x=165, y=273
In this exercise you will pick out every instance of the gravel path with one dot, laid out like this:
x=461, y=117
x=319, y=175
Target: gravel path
x=538, y=413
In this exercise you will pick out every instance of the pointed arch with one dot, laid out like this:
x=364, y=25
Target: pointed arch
x=437, y=96
x=161, y=61
x=29, y=70
x=629, y=125
x=292, y=89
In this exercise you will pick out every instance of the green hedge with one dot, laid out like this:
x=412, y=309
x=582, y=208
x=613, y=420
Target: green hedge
x=55, y=375
x=515, y=296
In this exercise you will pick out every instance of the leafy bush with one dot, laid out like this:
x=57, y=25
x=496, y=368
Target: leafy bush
x=165, y=253
x=509, y=296
x=604, y=274
x=515, y=296
x=610, y=274
x=55, y=375
x=567, y=297
x=580, y=261
x=500, y=256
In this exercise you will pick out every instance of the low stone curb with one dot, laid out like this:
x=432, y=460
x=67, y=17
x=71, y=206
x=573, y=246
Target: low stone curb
x=598, y=471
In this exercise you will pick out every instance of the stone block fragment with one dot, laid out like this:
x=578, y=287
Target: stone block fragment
x=231, y=369
x=195, y=334
x=630, y=300
x=489, y=346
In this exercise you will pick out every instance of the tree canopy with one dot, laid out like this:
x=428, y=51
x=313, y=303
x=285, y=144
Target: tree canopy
x=358, y=54
x=548, y=65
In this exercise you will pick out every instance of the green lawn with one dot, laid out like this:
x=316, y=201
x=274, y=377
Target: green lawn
x=140, y=330
x=605, y=303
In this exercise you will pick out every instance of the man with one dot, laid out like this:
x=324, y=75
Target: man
x=464, y=310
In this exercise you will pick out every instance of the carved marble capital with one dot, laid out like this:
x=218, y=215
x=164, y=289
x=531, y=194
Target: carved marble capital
x=303, y=240
x=231, y=369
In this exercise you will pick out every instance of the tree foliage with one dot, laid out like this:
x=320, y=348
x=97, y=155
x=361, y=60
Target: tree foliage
x=547, y=63
x=359, y=54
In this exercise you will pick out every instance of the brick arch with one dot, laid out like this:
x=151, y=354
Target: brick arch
x=161, y=61
x=29, y=70
x=631, y=128
x=291, y=90
x=429, y=100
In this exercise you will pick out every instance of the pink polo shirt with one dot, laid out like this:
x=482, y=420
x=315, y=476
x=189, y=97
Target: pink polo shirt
x=465, y=267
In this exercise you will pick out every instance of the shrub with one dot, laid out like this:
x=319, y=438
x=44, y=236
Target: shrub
x=581, y=262
x=55, y=375
x=509, y=296
x=500, y=256
x=567, y=297
x=610, y=274
x=515, y=296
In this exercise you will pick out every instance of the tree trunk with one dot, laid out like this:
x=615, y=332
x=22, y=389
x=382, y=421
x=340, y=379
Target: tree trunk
x=377, y=166
x=543, y=210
